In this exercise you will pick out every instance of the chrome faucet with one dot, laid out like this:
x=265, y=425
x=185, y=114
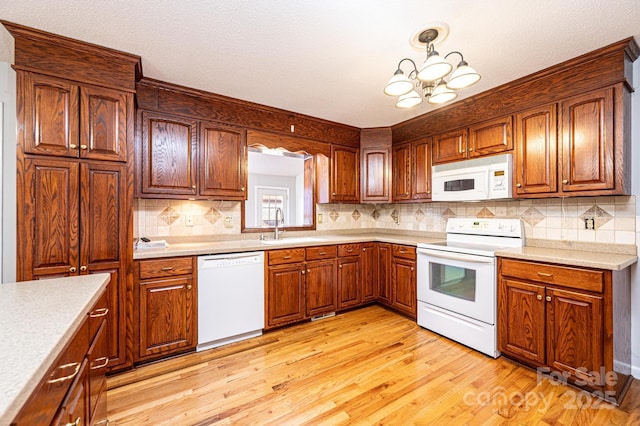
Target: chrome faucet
x=277, y=231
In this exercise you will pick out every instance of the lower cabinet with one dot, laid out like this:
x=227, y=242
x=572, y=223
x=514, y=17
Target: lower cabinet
x=349, y=275
x=320, y=294
x=383, y=290
x=403, y=280
x=561, y=319
x=167, y=310
x=369, y=259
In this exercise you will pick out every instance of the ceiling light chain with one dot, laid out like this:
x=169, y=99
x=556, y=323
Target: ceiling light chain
x=430, y=77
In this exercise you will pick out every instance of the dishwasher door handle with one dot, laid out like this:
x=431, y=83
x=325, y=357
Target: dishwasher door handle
x=240, y=256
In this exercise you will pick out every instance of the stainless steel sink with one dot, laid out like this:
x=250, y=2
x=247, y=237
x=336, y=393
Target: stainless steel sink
x=292, y=240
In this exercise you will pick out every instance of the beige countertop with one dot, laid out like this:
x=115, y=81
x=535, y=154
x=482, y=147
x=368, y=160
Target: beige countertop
x=37, y=320
x=590, y=259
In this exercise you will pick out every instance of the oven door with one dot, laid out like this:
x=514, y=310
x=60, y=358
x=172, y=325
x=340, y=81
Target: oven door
x=461, y=283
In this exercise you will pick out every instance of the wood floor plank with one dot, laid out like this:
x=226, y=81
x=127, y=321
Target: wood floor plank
x=364, y=367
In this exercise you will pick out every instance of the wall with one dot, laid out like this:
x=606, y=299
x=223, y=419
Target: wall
x=8, y=172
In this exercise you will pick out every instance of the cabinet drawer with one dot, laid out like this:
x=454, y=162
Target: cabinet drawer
x=159, y=268
x=405, y=252
x=278, y=257
x=349, y=249
x=97, y=314
x=566, y=276
x=322, y=252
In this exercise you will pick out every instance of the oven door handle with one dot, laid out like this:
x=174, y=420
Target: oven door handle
x=456, y=256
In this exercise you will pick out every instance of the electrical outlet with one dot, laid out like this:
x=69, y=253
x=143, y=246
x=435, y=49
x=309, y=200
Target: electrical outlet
x=589, y=223
x=188, y=220
x=228, y=222
x=319, y=217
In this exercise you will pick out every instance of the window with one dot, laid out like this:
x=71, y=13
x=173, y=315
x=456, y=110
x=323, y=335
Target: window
x=269, y=200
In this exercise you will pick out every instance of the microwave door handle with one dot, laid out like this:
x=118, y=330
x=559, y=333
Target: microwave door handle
x=457, y=256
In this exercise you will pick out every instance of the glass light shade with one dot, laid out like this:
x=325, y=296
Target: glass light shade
x=409, y=100
x=442, y=94
x=434, y=68
x=463, y=76
x=398, y=85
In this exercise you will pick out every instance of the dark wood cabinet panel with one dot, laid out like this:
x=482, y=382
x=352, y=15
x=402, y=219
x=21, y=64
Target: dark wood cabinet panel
x=375, y=174
x=106, y=116
x=521, y=328
x=384, y=273
x=450, y=146
x=223, y=162
x=51, y=123
x=285, y=294
x=345, y=174
x=349, y=281
x=320, y=293
x=588, y=142
x=575, y=334
x=369, y=259
x=169, y=153
x=166, y=316
x=536, y=158
x=98, y=359
x=74, y=409
x=403, y=285
x=401, y=167
x=491, y=137
x=421, y=170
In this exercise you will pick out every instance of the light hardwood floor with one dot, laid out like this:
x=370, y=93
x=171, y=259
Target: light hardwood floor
x=369, y=366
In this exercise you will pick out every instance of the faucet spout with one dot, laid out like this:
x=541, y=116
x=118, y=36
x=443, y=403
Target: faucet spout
x=279, y=221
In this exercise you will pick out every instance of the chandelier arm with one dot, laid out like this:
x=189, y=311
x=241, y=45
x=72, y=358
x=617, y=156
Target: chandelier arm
x=455, y=51
x=415, y=68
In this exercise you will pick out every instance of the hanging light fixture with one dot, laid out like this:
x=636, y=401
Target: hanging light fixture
x=430, y=77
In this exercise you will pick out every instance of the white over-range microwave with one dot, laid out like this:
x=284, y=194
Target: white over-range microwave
x=487, y=178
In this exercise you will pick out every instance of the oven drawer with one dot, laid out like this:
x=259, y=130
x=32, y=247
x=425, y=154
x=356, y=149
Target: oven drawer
x=405, y=252
x=566, y=276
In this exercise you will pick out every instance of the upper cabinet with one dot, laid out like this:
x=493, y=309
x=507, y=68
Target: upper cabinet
x=450, y=146
x=67, y=119
x=178, y=161
x=572, y=148
x=375, y=155
x=412, y=171
x=345, y=174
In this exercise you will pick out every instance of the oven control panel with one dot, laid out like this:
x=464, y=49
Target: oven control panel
x=486, y=226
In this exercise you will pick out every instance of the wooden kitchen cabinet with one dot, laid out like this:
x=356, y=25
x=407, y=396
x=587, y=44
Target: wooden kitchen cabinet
x=320, y=287
x=383, y=294
x=412, y=171
x=369, y=258
x=345, y=174
x=69, y=119
x=167, y=307
x=223, y=162
x=491, y=137
x=562, y=318
x=74, y=409
x=450, y=146
x=375, y=174
x=403, y=280
x=285, y=294
x=349, y=275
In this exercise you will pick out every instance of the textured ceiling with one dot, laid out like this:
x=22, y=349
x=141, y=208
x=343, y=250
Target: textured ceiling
x=328, y=58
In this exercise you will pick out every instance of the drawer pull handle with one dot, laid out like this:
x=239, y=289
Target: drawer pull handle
x=322, y=253
x=349, y=250
x=104, y=360
x=75, y=423
x=100, y=312
x=548, y=298
x=70, y=376
x=539, y=297
x=287, y=257
x=544, y=274
x=167, y=268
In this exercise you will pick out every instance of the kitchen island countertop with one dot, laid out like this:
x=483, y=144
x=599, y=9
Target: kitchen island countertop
x=37, y=320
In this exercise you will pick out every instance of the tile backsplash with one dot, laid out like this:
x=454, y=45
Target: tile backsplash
x=614, y=218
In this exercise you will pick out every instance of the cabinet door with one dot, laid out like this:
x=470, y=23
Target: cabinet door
x=50, y=226
x=345, y=173
x=98, y=358
x=421, y=179
x=167, y=317
x=369, y=271
x=521, y=319
x=450, y=146
x=384, y=273
x=168, y=163
x=285, y=294
x=401, y=172
x=223, y=162
x=375, y=174
x=491, y=137
x=349, y=281
x=588, y=142
x=536, y=161
x=403, y=285
x=320, y=291
x=74, y=410
x=105, y=116
x=50, y=115
x=575, y=335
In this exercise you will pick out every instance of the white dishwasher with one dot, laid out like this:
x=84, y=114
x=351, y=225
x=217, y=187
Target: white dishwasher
x=230, y=298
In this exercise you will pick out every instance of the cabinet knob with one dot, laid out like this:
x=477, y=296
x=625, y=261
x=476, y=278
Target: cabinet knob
x=518, y=185
x=340, y=266
x=72, y=269
x=189, y=286
x=548, y=298
x=193, y=186
x=413, y=269
x=333, y=193
x=406, y=193
x=364, y=249
x=73, y=146
x=470, y=149
x=75, y=423
x=309, y=271
x=428, y=192
x=539, y=297
x=83, y=268
x=564, y=181
x=83, y=147
x=303, y=271
x=242, y=189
